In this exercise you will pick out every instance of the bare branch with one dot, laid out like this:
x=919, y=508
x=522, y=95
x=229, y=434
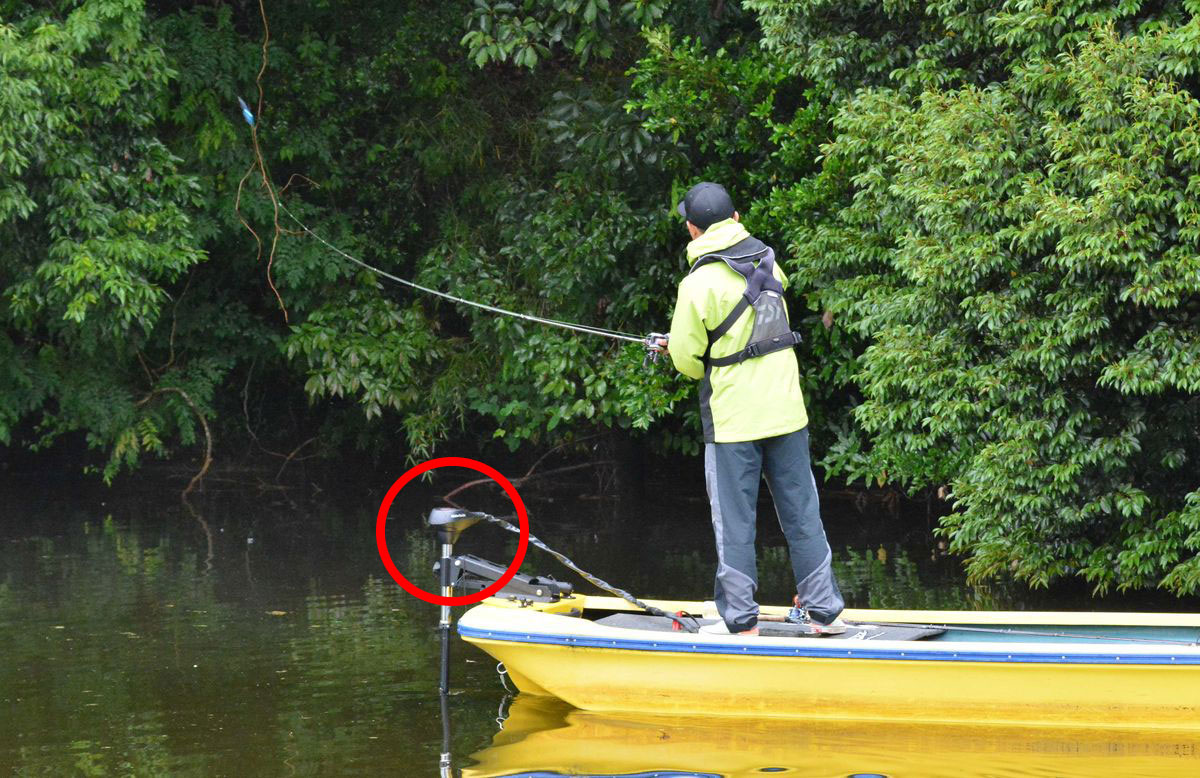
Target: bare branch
x=528, y=476
x=208, y=441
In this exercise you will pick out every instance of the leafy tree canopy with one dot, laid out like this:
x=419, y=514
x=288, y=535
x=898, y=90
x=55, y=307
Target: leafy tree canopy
x=1018, y=255
x=989, y=211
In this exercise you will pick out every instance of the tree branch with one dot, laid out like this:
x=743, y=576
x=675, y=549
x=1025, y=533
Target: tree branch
x=203, y=424
x=520, y=481
x=290, y=456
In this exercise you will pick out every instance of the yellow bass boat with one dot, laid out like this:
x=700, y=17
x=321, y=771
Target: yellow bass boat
x=1009, y=668
x=998, y=668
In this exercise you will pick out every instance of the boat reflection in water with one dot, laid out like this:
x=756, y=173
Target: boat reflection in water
x=546, y=737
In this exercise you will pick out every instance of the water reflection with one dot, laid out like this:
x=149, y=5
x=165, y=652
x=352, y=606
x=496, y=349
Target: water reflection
x=547, y=738
x=124, y=653
x=137, y=640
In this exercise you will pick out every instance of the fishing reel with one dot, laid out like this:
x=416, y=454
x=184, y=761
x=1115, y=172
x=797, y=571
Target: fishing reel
x=656, y=345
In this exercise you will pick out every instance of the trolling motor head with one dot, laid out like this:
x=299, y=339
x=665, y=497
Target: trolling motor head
x=450, y=523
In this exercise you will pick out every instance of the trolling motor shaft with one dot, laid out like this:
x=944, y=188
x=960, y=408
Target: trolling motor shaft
x=449, y=523
x=444, y=573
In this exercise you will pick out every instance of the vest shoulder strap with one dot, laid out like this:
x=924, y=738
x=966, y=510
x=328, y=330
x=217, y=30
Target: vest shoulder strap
x=758, y=269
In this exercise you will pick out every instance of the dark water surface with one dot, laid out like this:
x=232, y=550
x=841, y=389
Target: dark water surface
x=256, y=633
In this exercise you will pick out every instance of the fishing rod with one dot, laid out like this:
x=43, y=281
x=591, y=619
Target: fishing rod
x=654, y=343
x=584, y=328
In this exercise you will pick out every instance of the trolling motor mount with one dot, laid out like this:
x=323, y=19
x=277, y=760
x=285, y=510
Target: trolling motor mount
x=475, y=574
x=470, y=573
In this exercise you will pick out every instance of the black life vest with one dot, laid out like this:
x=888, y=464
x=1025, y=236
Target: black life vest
x=764, y=294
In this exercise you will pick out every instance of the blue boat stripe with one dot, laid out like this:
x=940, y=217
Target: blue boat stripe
x=753, y=649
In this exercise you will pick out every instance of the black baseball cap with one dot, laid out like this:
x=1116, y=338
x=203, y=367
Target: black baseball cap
x=705, y=204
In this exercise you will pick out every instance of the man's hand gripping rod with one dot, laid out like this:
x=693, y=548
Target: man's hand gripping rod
x=656, y=345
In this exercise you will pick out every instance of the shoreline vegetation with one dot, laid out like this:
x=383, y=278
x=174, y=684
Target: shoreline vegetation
x=990, y=217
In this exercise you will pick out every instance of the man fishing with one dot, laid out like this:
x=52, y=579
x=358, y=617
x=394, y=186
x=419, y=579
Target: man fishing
x=730, y=332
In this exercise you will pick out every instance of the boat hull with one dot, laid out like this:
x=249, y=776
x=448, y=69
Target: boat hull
x=1011, y=682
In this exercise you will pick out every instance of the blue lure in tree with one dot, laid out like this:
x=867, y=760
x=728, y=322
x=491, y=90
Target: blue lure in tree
x=246, y=113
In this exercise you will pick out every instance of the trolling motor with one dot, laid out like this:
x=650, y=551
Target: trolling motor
x=474, y=574
x=448, y=524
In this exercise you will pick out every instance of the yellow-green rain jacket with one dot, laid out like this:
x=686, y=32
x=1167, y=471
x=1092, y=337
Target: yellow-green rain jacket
x=751, y=400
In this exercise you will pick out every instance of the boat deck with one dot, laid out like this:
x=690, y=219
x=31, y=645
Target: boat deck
x=776, y=629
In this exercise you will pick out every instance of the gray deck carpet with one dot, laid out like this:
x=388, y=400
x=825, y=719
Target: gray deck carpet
x=775, y=629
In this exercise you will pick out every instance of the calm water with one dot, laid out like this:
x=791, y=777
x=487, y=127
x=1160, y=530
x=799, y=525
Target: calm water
x=258, y=634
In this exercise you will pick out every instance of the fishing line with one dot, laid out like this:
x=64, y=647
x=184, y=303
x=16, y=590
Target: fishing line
x=261, y=164
x=651, y=342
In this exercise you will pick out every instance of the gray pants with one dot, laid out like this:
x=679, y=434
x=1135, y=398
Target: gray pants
x=733, y=472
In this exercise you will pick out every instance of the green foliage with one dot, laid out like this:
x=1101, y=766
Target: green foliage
x=537, y=197
x=844, y=46
x=737, y=115
x=94, y=221
x=547, y=193
x=914, y=46
x=987, y=213
x=1022, y=259
x=529, y=31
